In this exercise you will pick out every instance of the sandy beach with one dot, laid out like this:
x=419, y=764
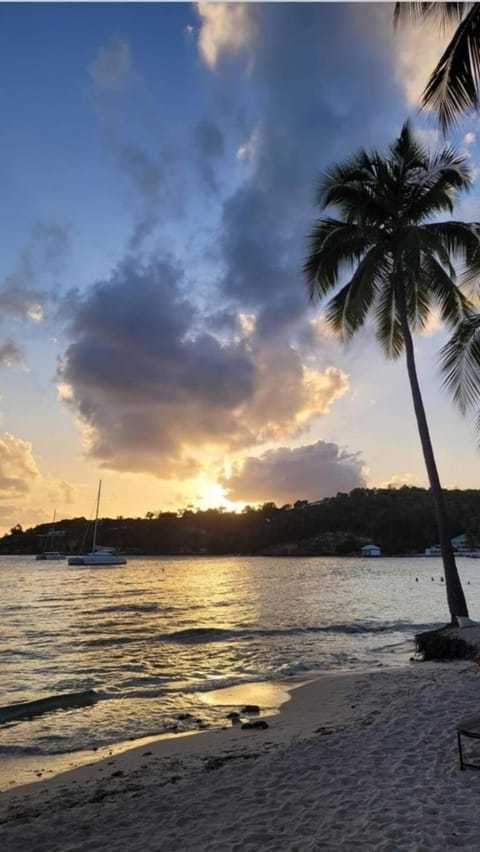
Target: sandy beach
x=352, y=762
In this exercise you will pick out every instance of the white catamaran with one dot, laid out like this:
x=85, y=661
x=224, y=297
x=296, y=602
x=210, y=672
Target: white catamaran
x=99, y=555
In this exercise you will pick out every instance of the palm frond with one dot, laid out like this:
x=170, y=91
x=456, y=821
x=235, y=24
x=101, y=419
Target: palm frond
x=348, y=310
x=407, y=151
x=444, y=12
x=381, y=233
x=419, y=302
x=460, y=362
x=453, y=85
x=454, y=306
x=389, y=331
x=334, y=247
x=446, y=174
x=432, y=245
x=459, y=239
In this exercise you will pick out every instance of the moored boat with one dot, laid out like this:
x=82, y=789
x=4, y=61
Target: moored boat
x=99, y=555
x=51, y=536
x=50, y=554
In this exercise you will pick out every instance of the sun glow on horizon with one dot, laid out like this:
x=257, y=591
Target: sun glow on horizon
x=211, y=495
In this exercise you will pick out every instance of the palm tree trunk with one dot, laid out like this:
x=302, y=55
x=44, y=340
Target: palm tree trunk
x=455, y=596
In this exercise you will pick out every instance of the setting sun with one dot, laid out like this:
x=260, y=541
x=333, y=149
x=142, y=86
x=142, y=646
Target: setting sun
x=211, y=495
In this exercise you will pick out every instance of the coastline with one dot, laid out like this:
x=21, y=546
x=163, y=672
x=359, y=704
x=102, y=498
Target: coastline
x=353, y=761
x=284, y=723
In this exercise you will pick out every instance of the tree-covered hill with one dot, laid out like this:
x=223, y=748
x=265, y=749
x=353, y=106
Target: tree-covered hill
x=400, y=521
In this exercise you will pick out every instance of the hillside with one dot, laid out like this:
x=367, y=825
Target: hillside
x=400, y=521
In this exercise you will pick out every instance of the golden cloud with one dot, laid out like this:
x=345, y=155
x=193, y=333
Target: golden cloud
x=225, y=28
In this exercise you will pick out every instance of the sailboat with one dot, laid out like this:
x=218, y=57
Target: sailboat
x=99, y=555
x=52, y=554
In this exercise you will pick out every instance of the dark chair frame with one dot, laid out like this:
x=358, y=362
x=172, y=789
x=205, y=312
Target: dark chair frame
x=469, y=728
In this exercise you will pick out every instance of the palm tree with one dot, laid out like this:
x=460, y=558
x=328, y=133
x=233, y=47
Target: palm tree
x=453, y=85
x=399, y=266
x=451, y=90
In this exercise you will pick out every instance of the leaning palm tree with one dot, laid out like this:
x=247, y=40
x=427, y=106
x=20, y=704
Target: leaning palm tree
x=453, y=87
x=399, y=266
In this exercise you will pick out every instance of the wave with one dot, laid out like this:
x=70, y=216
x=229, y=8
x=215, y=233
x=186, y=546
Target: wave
x=19, y=751
x=103, y=641
x=29, y=709
x=198, y=635
x=134, y=607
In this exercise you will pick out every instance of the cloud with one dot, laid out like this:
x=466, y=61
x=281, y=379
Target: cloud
x=10, y=354
x=147, y=176
x=209, y=138
x=52, y=242
x=398, y=480
x=285, y=475
x=59, y=491
x=141, y=381
x=156, y=392
x=111, y=70
x=315, y=95
x=248, y=152
x=30, y=498
x=469, y=138
x=18, y=468
x=21, y=297
x=416, y=50
x=225, y=28
x=158, y=183
x=209, y=145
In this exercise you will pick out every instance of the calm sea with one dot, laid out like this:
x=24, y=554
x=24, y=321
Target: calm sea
x=155, y=636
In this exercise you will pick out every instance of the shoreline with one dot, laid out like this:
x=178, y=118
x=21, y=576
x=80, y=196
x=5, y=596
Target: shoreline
x=277, y=694
x=17, y=772
x=352, y=761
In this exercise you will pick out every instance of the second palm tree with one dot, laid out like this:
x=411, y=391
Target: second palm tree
x=399, y=265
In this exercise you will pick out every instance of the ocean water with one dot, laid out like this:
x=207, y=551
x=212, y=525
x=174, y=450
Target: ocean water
x=155, y=637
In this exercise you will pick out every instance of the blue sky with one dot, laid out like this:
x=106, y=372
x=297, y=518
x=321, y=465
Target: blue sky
x=158, y=169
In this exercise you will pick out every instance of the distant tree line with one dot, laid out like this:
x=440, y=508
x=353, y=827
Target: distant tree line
x=401, y=521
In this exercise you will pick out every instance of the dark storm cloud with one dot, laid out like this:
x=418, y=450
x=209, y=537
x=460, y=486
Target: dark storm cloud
x=142, y=380
x=154, y=389
x=318, y=74
x=149, y=376
x=306, y=473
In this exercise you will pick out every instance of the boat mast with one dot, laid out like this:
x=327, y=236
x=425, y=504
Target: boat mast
x=96, y=516
x=52, y=530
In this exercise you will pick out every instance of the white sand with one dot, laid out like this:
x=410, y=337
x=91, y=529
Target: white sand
x=380, y=775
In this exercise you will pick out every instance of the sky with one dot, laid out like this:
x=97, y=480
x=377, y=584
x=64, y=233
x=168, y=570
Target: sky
x=159, y=164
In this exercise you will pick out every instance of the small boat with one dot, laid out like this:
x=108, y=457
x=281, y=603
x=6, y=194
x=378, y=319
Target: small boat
x=99, y=555
x=51, y=535
x=50, y=554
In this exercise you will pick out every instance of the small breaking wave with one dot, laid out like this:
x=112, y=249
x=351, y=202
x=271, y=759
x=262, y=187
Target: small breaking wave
x=29, y=709
x=135, y=607
x=199, y=635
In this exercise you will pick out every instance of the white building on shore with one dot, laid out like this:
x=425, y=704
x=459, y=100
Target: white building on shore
x=370, y=550
x=459, y=544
